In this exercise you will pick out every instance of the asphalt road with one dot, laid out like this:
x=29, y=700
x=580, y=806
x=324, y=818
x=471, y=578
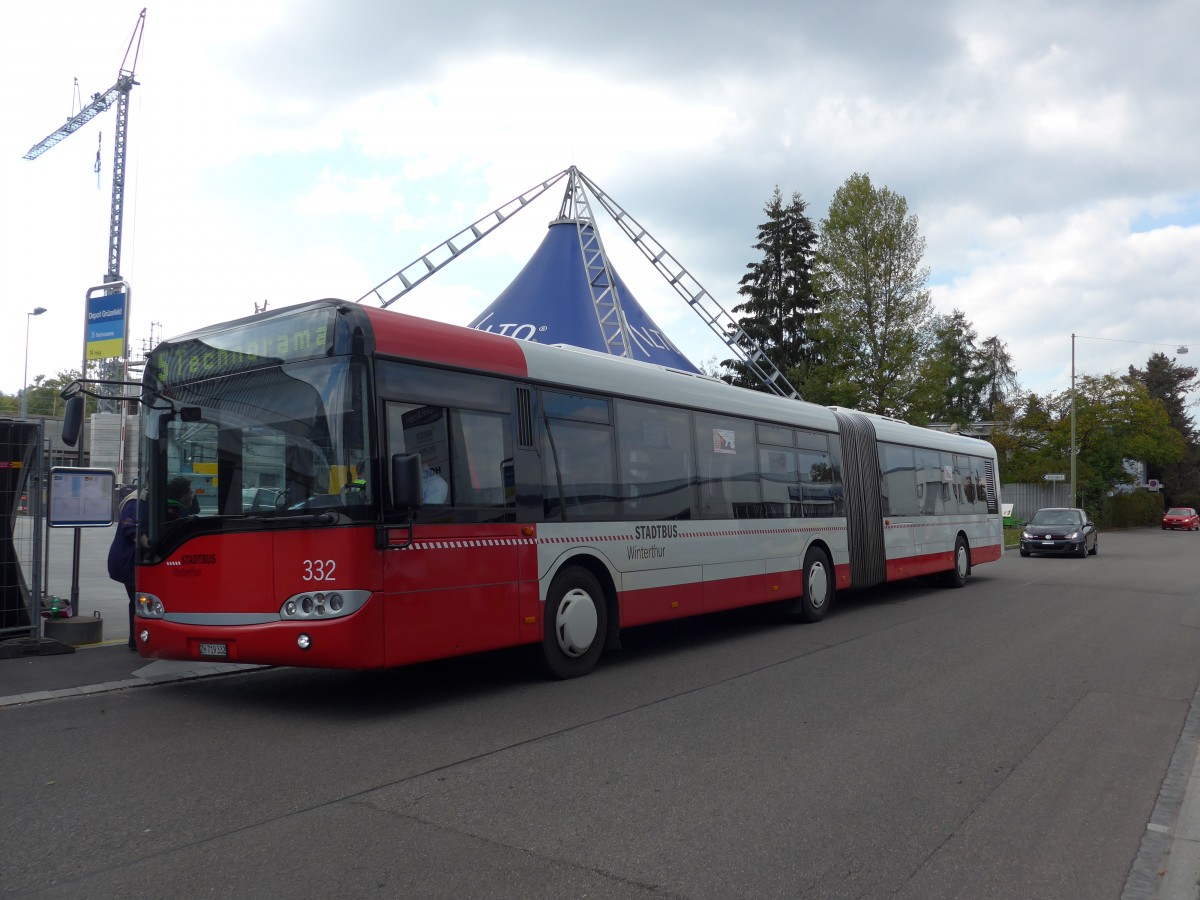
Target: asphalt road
x=1005, y=740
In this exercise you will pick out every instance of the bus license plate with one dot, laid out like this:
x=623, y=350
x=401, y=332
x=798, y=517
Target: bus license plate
x=220, y=650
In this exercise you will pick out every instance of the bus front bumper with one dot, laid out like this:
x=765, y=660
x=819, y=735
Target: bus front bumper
x=353, y=642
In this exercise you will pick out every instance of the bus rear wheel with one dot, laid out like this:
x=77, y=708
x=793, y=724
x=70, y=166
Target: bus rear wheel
x=957, y=577
x=818, y=586
x=575, y=623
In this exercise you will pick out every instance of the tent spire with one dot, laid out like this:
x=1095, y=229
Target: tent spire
x=614, y=330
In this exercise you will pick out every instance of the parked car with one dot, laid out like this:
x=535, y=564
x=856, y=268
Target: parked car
x=1181, y=517
x=1060, y=530
x=259, y=500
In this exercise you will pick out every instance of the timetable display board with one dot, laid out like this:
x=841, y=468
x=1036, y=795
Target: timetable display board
x=81, y=498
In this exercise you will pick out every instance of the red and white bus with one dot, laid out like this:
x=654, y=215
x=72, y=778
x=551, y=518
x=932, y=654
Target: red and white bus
x=379, y=489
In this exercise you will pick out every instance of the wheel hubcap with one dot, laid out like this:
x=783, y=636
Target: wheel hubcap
x=575, y=623
x=961, y=562
x=818, y=585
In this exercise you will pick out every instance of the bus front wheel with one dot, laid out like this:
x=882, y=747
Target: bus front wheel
x=575, y=623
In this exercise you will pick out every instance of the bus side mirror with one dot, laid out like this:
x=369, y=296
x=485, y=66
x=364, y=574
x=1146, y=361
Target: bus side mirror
x=72, y=420
x=406, y=481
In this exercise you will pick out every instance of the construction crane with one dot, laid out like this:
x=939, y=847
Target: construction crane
x=118, y=96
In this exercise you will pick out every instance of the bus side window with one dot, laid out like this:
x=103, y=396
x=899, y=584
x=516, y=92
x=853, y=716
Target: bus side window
x=981, y=500
x=962, y=474
x=656, y=461
x=584, y=456
x=481, y=446
x=898, y=468
x=815, y=469
x=780, y=482
x=727, y=468
x=929, y=482
x=423, y=430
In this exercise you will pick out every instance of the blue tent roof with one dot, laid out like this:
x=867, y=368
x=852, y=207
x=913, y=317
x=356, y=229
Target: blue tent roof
x=549, y=302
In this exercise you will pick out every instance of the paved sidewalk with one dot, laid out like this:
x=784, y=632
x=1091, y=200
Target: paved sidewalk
x=94, y=669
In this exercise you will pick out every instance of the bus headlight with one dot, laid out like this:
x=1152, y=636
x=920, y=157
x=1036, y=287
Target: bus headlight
x=150, y=607
x=322, y=605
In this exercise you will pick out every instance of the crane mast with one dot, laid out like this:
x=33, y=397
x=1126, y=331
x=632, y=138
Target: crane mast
x=118, y=96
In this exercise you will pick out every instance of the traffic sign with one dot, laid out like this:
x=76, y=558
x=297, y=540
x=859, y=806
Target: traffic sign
x=1055, y=476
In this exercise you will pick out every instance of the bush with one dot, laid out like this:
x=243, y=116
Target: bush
x=1132, y=510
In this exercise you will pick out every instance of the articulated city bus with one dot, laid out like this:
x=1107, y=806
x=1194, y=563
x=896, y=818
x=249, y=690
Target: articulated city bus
x=375, y=489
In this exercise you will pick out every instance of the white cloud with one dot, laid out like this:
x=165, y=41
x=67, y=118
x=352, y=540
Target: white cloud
x=293, y=149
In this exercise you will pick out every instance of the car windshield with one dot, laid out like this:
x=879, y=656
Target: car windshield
x=1056, y=517
x=1179, y=511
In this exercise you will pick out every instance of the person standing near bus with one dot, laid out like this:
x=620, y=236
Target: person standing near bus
x=123, y=551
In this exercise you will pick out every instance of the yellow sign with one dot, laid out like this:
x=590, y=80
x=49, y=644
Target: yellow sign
x=105, y=349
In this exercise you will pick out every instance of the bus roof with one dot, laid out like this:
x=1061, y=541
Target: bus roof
x=404, y=336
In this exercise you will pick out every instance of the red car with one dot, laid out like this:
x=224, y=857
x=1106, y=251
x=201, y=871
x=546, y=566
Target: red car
x=1181, y=517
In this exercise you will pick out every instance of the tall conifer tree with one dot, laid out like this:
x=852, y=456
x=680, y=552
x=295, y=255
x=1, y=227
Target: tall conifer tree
x=780, y=305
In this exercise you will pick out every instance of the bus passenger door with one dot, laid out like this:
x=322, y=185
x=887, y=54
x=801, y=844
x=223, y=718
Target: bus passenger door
x=454, y=590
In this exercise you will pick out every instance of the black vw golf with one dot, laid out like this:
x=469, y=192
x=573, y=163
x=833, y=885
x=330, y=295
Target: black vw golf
x=1060, y=531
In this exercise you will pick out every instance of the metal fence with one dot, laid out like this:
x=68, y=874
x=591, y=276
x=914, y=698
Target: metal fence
x=22, y=526
x=1029, y=498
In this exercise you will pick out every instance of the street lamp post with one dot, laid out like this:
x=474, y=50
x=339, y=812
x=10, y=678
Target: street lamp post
x=25, y=388
x=1073, y=504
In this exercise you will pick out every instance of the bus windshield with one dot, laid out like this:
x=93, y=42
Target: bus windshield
x=272, y=444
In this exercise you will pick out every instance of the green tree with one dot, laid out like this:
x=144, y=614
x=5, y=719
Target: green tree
x=1116, y=420
x=780, y=305
x=1025, y=441
x=45, y=394
x=876, y=323
x=999, y=379
x=1171, y=383
x=950, y=371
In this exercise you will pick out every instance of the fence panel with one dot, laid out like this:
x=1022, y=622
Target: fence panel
x=22, y=530
x=1029, y=498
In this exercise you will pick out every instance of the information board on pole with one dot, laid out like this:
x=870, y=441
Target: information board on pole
x=107, y=325
x=81, y=498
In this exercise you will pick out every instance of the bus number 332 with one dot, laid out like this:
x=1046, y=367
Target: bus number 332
x=319, y=570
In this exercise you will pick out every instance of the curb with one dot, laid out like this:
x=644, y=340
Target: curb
x=155, y=672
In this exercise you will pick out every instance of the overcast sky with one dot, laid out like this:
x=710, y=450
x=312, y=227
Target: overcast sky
x=288, y=150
